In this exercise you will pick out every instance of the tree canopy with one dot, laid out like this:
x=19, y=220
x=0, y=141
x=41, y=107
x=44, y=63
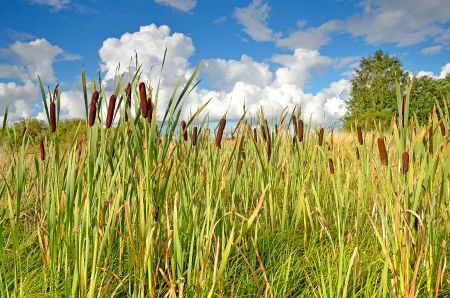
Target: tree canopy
x=373, y=96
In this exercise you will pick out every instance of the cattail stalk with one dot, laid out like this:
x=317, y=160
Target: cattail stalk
x=382, y=151
x=143, y=97
x=321, y=132
x=331, y=166
x=128, y=92
x=111, y=109
x=430, y=140
x=194, y=136
x=220, y=130
x=93, y=108
x=184, y=130
x=360, y=135
x=300, y=130
x=42, y=150
x=405, y=165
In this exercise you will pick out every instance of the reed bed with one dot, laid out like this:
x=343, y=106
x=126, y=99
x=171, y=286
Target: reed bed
x=138, y=211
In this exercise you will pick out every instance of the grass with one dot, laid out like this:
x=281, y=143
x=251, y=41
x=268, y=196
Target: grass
x=123, y=214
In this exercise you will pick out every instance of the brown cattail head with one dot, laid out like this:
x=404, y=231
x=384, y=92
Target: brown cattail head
x=150, y=110
x=331, y=166
x=194, y=136
x=111, y=109
x=357, y=153
x=42, y=150
x=405, y=165
x=269, y=148
x=220, y=130
x=294, y=121
x=184, y=130
x=128, y=92
x=255, y=134
x=52, y=116
x=93, y=108
x=300, y=130
x=360, y=135
x=240, y=167
x=263, y=129
x=242, y=153
x=382, y=151
x=403, y=110
x=24, y=130
x=442, y=127
x=321, y=131
x=430, y=140
x=276, y=128
x=143, y=97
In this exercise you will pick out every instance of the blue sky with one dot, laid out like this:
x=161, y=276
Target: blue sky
x=267, y=53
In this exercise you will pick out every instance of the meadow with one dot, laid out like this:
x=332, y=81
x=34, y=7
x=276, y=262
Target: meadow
x=140, y=204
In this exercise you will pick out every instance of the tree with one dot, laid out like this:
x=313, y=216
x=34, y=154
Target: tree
x=373, y=96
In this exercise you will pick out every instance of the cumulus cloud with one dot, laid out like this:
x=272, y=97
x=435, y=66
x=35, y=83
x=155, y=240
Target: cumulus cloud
x=183, y=5
x=432, y=50
x=254, y=20
x=19, y=89
x=445, y=70
x=55, y=4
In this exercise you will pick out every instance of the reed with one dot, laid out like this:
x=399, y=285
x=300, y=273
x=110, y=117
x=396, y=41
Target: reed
x=93, y=108
x=405, y=162
x=360, y=136
x=194, y=136
x=42, y=149
x=128, y=93
x=111, y=109
x=430, y=140
x=442, y=127
x=331, y=166
x=184, y=131
x=255, y=134
x=300, y=130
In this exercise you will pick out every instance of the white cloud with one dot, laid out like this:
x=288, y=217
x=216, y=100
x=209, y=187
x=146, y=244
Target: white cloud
x=432, y=50
x=445, y=70
x=55, y=4
x=19, y=89
x=224, y=74
x=310, y=38
x=183, y=5
x=254, y=20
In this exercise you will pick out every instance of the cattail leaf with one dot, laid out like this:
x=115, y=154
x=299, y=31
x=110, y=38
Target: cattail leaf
x=85, y=98
x=44, y=99
x=5, y=120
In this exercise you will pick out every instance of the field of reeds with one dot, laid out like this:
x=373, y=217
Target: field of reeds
x=152, y=205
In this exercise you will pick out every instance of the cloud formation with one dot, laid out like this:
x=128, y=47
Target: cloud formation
x=182, y=5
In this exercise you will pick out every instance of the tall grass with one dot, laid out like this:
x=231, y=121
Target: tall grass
x=136, y=211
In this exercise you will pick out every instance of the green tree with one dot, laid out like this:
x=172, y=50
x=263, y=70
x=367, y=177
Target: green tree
x=373, y=96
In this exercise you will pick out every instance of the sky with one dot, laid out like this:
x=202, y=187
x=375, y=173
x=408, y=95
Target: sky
x=257, y=53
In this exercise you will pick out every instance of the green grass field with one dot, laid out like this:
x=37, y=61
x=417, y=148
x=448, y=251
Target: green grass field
x=137, y=211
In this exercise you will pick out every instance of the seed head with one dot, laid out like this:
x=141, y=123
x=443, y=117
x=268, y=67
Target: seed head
x=111, y=109
x=143, y=97
x=360, y=135
x=93, y=108
x=184, y=130
x=300, y=130
x=357, y=153
x=331, y=166
x=321, y=131
x=405, y=158
x=42, y=150
x=194, y=136
x=255, y=134
x=430, y=140
x=128, y=92
x=294, y=121
x=220, y=130
x=52, y=116
x=382, y=151
x=240, y=167
x=442, y=127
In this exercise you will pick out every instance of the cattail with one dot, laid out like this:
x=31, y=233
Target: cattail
x=42, y=150
x=321, y=131
x=269, y=148
x=93, y=108
x=300, y=130
x=220, y=130
x=52, y=116
x=150, y=110
x=276, y=128
x=111, y=109
x=24, y=130
x=331, y=166
x=360, y=135
x=255, y=134
x=403, y=110
x=264, y=132
x=184, y=130
x=442, y=126
x=240, y=167
x=430, y=140
x=357, y=153
x=194, y=136
x=143, y=96
x=242, y=153
x=405, y=158
x=382, y=151
x=294, y=121
x=128, y=92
